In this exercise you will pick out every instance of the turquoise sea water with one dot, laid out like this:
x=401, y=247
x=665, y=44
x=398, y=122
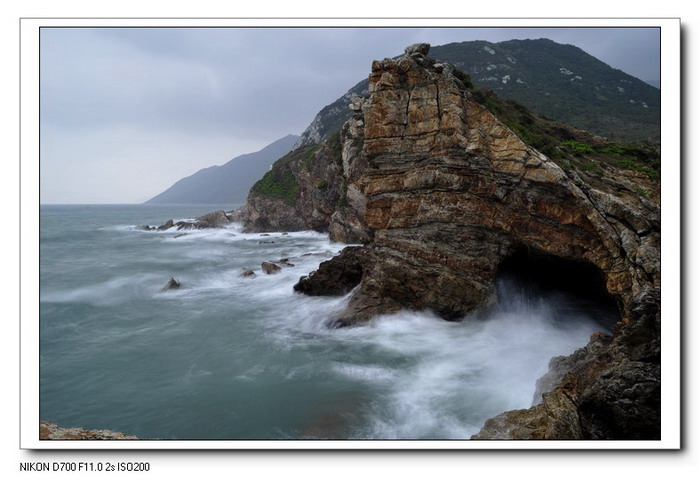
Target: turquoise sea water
x=227, y=357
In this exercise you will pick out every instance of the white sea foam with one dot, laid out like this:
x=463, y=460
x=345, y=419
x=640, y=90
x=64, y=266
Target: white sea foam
x=370, y=373
x=104, y=293
x=444, y=379
x=194, y=374
x=252, y=347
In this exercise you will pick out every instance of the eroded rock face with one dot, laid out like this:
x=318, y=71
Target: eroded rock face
x=421, y=49
x=309, y=189
x=335, y=277
x=444, y=193
x=610, y=389
x=449, y=193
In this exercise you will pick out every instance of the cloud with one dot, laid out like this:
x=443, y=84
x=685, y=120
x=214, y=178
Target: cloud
x=158, y=104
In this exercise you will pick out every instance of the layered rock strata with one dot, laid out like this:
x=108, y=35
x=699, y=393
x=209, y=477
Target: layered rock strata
x=449, y=196
x=450, y=192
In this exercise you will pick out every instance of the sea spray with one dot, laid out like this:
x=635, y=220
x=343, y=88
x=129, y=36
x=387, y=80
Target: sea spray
x=227, y=357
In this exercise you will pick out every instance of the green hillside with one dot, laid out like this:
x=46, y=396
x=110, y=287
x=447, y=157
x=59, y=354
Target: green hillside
x=562, y=82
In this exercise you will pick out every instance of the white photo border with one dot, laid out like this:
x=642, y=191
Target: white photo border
x=670, y=237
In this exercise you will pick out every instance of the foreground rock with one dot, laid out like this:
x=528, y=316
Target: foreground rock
x=51, y=431
x=335, y=277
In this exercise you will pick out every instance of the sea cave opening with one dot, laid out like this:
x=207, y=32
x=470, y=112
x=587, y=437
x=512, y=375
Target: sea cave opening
x=577, y=286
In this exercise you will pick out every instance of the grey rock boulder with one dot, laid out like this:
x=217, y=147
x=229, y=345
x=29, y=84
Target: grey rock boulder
x=420, y=49
x=166, y=226
x=270, y=268
x=173, y=284
x=337, y=276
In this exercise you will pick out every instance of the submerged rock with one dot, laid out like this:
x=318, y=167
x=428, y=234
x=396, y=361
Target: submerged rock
x=324, y=254
x=166, y=226
x=285, y=262
x=186, y=225
x=216, y=219
x=173, y=284
x=247, y=273
x=270, y=268
x=213, y=220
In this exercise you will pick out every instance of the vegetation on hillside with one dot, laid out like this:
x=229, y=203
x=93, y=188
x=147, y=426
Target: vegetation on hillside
x=568, y=146
x=279, y=182
x=282, y=180
x=561, y=82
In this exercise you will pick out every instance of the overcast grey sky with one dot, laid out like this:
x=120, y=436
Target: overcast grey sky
x=127, y=112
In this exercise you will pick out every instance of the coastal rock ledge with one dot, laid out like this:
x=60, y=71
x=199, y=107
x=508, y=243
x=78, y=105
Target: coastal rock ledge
x=51, y=431
x=446, y=197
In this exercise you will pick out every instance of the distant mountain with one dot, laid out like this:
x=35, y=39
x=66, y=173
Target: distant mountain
x=561, y=82
x=228, y=183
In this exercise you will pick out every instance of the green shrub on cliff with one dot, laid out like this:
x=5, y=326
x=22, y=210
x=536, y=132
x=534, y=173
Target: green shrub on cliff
x=632, y=165
x=643, y=159
x=278, y=186
x=279, y=182
x=578, y=147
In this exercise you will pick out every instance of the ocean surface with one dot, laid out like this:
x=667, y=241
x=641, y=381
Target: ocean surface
x=226, y=357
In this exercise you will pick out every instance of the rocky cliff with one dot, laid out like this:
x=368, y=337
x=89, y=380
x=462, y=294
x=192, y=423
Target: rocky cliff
x=559, y=81
x=450, y=188
x=314, y=187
